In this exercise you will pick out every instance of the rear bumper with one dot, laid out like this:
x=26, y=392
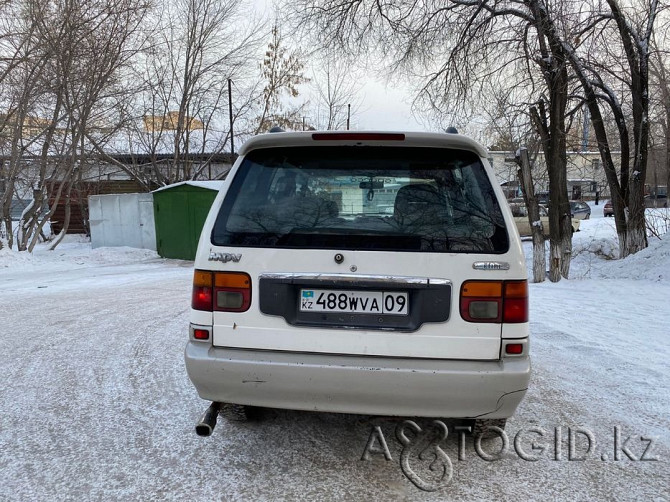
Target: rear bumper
x=358, y=384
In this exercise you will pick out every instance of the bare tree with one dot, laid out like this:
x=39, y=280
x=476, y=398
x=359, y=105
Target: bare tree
x=507, y=122
x=457, y=48
x=71, y=56
x=96, y=40
x=210, y=50
x=625, y=36
x=336, y=89
x=526, y=179
x=461, y=43
x=549, y=118
x=182, y=107
x=282, y=71
x=22, y=69
x=659, y=71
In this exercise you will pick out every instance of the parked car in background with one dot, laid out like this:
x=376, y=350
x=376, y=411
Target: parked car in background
x=660, y=200
x=580, y=210
x=543, y=197
x=607, y=209
x=520, y=213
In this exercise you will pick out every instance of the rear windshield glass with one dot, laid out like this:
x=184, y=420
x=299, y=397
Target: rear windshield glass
x=366, y=198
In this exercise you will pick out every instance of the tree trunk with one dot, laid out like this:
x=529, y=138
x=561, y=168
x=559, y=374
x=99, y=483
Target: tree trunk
x=66, y=222
x=539, y=259
x=566, y=246
x=555, y=256
x=539, y=253
x=636, y=225
x=551, y=127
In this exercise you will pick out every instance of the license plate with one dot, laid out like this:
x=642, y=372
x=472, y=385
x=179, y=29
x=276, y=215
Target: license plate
x=354, y=302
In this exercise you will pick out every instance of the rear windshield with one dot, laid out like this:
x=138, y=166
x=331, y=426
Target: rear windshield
x=365, y=198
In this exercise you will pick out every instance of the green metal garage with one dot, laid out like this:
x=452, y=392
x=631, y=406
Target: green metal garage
x=180, y=211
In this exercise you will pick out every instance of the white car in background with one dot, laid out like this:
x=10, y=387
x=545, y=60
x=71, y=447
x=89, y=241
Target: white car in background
x=360, y=272
x=520, y=213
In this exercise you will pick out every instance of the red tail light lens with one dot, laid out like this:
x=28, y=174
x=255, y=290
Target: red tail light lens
x=201, y=334
x=515, y=302
x=201, y=298
x=515, y=310
x=514, y=348
x=221, y=291
x=494, y=301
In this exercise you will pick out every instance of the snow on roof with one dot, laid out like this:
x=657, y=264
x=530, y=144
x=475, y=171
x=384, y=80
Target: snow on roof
x=209, y=184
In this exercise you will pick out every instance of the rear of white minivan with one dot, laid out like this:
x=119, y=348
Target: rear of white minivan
x=373, y=273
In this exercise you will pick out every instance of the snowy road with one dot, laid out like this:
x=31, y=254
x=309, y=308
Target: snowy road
x=96, y=404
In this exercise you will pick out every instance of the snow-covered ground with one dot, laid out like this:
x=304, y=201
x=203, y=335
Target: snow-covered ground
x=95, y=403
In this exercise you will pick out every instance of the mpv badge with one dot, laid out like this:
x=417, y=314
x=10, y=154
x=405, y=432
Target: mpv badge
x=224, y=257
x=490, y=265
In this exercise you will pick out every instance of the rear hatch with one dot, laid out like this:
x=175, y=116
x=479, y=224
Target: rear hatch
x=360, y=248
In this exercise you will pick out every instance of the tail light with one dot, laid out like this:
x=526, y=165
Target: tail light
x=515, y=302
x=201, y=334
x=494, y=301
x=201, y=298
x=221, y=291
x=514, y=349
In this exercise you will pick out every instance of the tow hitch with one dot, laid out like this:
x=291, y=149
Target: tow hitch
x=207, y=423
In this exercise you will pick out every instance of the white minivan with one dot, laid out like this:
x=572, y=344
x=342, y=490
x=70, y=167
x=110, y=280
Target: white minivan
x=360, y=272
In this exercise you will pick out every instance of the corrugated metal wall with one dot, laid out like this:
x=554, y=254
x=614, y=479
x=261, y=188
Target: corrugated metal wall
x=79, y=213
x=122, y=220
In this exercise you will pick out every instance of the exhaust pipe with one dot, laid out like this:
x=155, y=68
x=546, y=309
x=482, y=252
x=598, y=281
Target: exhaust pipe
x=208, y=421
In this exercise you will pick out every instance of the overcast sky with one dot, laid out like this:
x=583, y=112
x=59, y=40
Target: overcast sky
x=386, y=107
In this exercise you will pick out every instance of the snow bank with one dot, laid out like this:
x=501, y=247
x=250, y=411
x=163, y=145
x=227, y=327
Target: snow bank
x=652, y=263
x=75, y=250
x=604, y=247
x=595, y=250
x=11, y=258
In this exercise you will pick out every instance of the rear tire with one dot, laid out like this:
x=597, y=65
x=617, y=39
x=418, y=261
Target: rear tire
x=483, y=427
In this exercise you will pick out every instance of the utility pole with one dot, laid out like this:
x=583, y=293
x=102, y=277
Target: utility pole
x=230, y=114
x=348, y=115
x=526, y=178
x=585, y=129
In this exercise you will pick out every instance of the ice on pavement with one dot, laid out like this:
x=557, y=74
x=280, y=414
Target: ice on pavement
x=95, y=403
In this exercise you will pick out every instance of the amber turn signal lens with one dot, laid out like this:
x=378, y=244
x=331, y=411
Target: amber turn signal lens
x=232, y=280
x=202, y=279
x=482, y=289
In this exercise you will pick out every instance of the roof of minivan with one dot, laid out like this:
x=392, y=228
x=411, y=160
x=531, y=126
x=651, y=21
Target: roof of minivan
x=368, y=138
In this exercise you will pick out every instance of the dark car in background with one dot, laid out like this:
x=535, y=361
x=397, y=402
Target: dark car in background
x=607, y=209
x=542, y=197
x=580, y=210
x=658, y=200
